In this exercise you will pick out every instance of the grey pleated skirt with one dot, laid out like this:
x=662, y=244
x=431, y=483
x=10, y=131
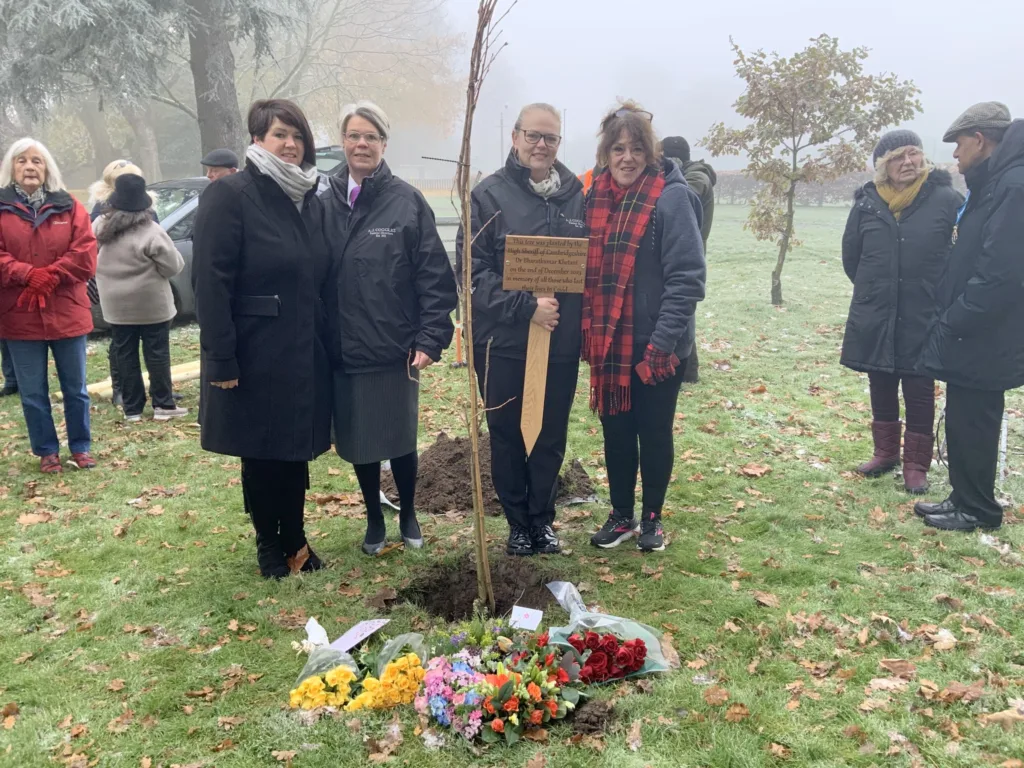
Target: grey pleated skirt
x=376, y=415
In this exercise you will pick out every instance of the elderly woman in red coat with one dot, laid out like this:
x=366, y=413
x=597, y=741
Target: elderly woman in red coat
x=47, y=254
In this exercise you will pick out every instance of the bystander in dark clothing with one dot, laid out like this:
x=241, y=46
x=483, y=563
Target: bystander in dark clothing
x=895, y=249
x=701, y=178
x=976, y=346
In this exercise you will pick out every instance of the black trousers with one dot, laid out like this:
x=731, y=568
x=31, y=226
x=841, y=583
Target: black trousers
x=10, y=380
x=274, y=493
x=918, y=395
x=526, y=485
x=156, y=349
x=115, y=374
x=641, y=439
x=974, y=419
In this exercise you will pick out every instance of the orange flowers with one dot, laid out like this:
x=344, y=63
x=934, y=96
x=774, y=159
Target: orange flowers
x=512, y=705
x=536, y=717
x=534, y=690
x=498, y=725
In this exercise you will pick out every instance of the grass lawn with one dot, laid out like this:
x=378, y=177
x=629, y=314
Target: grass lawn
x=132, y=617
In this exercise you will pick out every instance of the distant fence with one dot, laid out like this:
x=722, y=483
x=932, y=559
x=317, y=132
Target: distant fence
x=433, y=185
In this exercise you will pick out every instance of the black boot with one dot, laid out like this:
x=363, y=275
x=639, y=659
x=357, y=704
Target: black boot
x=265, y=520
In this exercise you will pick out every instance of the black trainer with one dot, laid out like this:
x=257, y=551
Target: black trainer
x=519, y=543
x=8, y=390
x=617, y=529
x=314, y=563
x=923, y=508
x=652, y=537
x=545, y=541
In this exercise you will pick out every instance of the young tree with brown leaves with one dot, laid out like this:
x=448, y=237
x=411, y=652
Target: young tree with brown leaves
x=813, y=118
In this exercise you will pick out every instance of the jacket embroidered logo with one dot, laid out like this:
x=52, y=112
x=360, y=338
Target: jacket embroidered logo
x=382, y=232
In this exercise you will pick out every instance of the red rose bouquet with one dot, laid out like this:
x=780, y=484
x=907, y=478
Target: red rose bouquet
x=605, y=657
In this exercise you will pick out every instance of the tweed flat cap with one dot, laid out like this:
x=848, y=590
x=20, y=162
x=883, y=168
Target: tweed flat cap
x=987, y=114
x=220, y=158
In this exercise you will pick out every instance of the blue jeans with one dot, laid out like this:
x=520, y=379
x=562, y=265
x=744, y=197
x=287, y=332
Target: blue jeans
x=10, y=380
x=31, y=360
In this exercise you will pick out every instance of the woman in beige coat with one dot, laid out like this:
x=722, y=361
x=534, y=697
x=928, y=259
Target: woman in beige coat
x=136, y=261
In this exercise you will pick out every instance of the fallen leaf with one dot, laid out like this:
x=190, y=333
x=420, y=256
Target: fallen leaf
x=116, y=685
x=900, y=668
x=539, y=760
x=755, y=470
x=889, y=684
x=34, y=518
x=716, y=696
x=10, y=709
x=696, y=664
x=283, y=756
x=736, y=713
x=943, y=640
x=870, y=705
x=856, y=733
x=668, y=650
x=223, y=746
x=1007, y=718
x=382, y=749
x=538, y=735
x=146, y=762
x=780, y=751
x=122, y=722
x=729, y=625
x=24, y=657
x=767, y=599
x=298, y=560
x=633, y=740
x=877, y=517
x=380, y=600
x=79, y=730
x=952, y=603
x=977, y=562
x=227, y=723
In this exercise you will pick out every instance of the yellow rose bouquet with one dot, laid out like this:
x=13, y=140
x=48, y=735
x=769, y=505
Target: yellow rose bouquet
x=331, y=689
x=398, y=684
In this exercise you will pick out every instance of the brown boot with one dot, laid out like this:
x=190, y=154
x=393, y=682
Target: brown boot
x=917, y=460
x=887, y=449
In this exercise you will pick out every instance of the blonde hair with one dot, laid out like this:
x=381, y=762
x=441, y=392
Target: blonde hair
x=54, y=181
x=368, y=111
x=539, y=106
x=100, y=191
x=882, y=164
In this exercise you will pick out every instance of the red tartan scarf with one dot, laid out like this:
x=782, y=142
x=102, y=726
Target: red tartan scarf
x=617, y=221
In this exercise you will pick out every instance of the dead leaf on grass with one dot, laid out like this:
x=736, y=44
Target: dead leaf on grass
x=755, y=470
x=296, y=561
x=780, y=751
x=767, y=599
x=381, y=599
x=737, y=713
x=900, y=668
x=668, y=650
x=116, y=685
x=716, y=696
x=539, y=760
x=284, y=756
x=633, y=740
x=889, y=684
x=34, y=518
x=227, y=723
x=382, y=749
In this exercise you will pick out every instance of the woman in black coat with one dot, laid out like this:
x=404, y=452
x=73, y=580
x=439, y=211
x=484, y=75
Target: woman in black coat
x=645, y=275
x=259, y=264
x=391, y=298
x=895, y=248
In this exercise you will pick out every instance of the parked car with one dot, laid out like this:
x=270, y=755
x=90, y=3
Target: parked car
x=175, y=203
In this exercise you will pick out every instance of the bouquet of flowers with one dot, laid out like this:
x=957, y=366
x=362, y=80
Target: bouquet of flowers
x=398, y=684
x=449, y=697
x=606, y=657
x=331, y=689
x=527, y=690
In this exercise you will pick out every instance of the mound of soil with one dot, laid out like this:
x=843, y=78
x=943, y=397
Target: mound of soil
x=443, y=481
x=447, y=590
x=593, y=717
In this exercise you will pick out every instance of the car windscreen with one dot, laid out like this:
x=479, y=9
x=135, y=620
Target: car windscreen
x=329, y=159
x=166, y=200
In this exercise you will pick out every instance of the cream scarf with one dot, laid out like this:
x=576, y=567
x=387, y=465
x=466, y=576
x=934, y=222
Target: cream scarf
x=296, y=181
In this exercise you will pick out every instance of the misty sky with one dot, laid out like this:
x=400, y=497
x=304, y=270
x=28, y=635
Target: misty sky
x=674, y=57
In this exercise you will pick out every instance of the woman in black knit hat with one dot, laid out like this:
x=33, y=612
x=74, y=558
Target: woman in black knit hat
x=895, y=247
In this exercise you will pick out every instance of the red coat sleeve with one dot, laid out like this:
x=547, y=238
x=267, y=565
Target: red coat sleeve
x=78, y=263
x=13, y=271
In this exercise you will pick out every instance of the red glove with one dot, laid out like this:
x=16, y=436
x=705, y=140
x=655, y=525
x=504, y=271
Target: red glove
x=32, y=299
x=43, y=281
x=657, y=366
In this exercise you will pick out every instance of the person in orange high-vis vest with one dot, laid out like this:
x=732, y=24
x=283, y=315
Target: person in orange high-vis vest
x=587, y=179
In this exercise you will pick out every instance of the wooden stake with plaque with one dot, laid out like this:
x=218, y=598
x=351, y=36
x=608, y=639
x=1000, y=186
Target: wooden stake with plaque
x=544, y=266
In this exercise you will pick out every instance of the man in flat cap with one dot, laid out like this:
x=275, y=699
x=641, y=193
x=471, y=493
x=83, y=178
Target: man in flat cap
x=220, y=163
x=977, y=346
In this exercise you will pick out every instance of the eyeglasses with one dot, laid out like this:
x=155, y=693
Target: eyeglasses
x=370, y=138
x=534, y=137
x=641, y=112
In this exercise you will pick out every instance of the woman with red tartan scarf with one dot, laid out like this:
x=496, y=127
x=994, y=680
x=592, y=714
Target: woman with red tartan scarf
x=645, y=275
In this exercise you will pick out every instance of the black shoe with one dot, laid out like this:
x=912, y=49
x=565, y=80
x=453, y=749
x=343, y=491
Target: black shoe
x=545, y=542
x=314, y=563
x=519, y=542
x=412, y=537
x=652, y=538
x=178, y=397
x=617, y=529
x=959, y=520
x=923, y=508
x=9, y=389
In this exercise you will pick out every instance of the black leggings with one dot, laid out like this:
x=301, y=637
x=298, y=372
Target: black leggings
x=641, y=439
x=918, y=394
x=403, y=469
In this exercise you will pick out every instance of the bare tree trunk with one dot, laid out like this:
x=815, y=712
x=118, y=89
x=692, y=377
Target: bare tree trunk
x=95, y=122
x=213, y=74
x=147, y=149
x=784, y=246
